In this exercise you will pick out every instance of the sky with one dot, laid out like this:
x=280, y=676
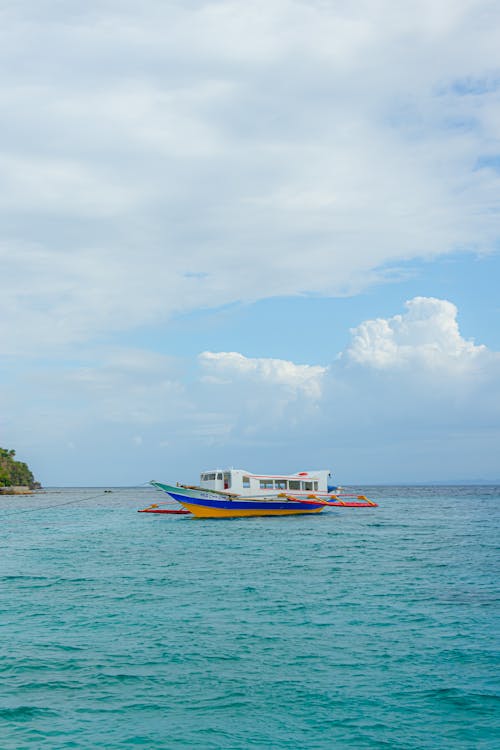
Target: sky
x=252, y=234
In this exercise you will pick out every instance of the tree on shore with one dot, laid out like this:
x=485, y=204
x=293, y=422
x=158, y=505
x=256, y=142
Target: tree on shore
x=13, y=473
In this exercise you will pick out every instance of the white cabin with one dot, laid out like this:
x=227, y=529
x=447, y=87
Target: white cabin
x=249, y=485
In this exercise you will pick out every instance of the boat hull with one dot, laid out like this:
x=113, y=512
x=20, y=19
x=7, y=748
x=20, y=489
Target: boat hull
x=210, y=505
x=204, y=511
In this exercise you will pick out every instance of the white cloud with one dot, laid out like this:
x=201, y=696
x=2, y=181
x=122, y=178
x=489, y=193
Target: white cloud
x=61, y=187
x=277, y=148
x=426, y=335
x=224, y=366
x=409, y=385
x=125, y=388
x=408, y=399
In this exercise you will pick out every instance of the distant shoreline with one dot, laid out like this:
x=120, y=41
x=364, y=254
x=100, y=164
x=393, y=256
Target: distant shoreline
x=16, y=490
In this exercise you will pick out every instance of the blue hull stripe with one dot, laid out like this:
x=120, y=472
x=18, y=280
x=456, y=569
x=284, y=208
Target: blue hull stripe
x=240, y=505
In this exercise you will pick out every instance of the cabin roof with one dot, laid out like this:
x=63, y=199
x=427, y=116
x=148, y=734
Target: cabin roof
x=298, y=475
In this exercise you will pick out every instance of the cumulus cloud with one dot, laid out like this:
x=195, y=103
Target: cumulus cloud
x=427, y=335
x=424, y=338
x=406, y=389
x=408, y=398
x=175, y=156
x=296, y=379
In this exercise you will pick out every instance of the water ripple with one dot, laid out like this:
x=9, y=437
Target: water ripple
x=353, y=629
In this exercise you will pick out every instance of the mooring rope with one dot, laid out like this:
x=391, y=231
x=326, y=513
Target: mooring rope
x=55, y=505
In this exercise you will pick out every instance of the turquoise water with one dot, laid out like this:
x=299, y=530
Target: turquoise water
x=355, y=628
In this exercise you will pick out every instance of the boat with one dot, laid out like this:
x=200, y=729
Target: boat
x=218, y=504
x=236, y=492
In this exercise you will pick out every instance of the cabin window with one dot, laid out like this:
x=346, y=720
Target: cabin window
x=293, y=484
x=211, y=477
x=315, y=486
x=246, y=482
x=266, y=484
x=219, y=475
x=280, y=484
x=307, y=486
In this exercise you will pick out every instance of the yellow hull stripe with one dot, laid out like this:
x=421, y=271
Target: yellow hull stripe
x=203, y=511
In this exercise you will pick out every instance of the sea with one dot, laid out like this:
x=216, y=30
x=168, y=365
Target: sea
x=353, y=628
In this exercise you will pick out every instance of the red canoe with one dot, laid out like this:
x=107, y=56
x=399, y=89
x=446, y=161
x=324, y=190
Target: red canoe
x=162, y=510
